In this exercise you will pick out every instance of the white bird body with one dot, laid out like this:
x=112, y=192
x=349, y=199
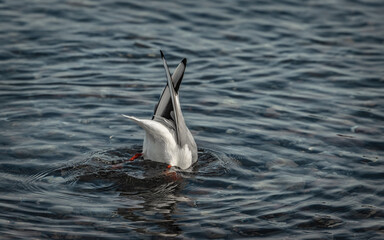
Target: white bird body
x=167, y=137
x=160, y=144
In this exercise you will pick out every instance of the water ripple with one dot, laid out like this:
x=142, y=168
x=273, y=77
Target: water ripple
x=284, y=99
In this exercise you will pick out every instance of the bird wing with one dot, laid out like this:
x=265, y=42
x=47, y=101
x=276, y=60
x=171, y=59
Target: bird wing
x=164, y=107
x=177, y=115
x=154, y=128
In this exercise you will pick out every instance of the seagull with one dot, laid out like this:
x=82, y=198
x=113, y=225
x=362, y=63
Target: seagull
x=167, y=137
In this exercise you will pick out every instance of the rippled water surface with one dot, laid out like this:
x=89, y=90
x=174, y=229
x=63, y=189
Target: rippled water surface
x=284, y=98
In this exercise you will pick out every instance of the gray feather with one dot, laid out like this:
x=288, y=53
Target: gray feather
x=182, y=132
x=164, y=106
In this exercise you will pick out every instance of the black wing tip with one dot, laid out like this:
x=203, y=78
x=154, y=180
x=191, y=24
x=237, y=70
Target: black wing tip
x=183, y=61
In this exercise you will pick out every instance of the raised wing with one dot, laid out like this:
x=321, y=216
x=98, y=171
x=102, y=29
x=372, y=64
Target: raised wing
x=164, y=106
x=180, y=127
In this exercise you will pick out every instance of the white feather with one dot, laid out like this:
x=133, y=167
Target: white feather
x=167, y=137
x=160, y=144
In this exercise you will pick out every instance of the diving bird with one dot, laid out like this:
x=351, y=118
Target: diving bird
x=167, y=137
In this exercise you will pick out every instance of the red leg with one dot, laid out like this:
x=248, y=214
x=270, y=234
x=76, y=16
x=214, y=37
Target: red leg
x=172, y=175
x=135, y=156
x=120, y=165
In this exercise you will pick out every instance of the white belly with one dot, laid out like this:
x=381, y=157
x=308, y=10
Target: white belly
x=164, y=148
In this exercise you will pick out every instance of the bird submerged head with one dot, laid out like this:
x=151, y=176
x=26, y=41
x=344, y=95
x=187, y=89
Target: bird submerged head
x=178, y=148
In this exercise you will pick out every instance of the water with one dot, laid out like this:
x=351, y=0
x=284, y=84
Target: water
x=284, y=98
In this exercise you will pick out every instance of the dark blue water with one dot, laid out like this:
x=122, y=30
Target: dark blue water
x=284, y=98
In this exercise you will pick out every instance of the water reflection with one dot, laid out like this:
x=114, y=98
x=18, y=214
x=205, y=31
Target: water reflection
x=148, y=194
x=155, y=214
x=149, y=202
